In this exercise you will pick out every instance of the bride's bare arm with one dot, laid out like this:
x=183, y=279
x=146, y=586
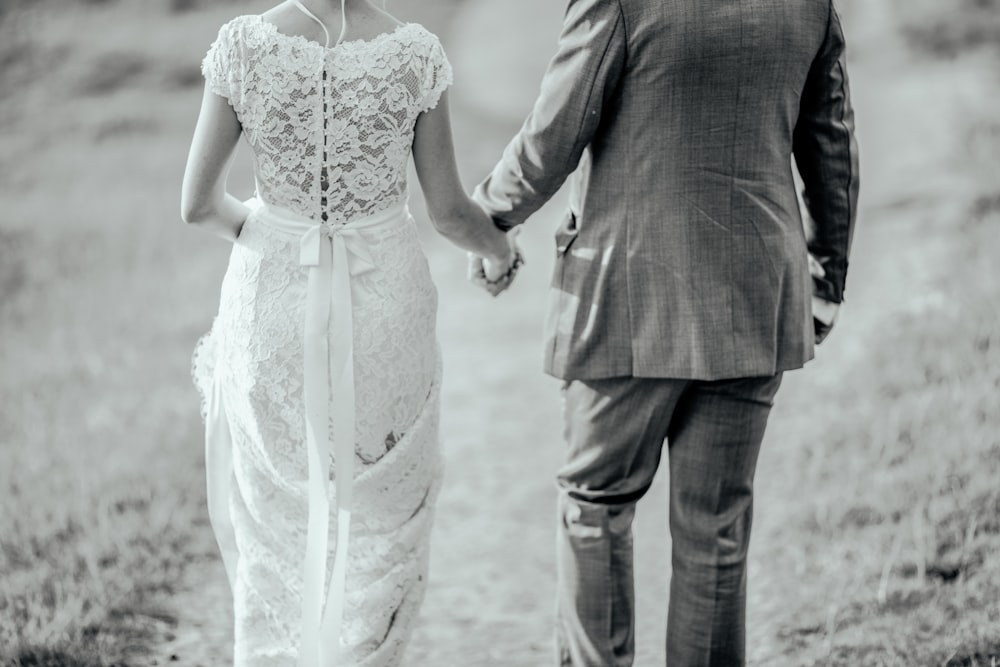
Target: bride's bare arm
x=452, y=212
x=204, y=200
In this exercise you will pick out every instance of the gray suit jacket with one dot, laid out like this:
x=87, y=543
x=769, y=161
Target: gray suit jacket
x=683, y=254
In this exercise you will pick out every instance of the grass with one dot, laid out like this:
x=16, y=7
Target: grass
x=907, y=532
x=877, y=533
x=102, y=507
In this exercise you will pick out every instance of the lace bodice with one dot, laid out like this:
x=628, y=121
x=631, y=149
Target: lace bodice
x=330, y=128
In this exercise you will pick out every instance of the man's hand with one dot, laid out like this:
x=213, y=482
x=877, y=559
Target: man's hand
x=824, y=317
x=824, y=312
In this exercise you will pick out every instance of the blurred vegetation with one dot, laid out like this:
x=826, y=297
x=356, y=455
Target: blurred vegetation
x=906, y=540
x=102, y=507
x=953, y=28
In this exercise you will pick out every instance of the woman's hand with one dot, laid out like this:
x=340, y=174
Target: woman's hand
x=495, y=275
x=496, y=268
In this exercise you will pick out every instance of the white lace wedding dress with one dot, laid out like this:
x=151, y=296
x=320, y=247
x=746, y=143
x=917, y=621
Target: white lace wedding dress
x=330, y=129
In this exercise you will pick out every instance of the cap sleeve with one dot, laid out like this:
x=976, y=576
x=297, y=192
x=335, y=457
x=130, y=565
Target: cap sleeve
x=221, y=66
x=437, y=74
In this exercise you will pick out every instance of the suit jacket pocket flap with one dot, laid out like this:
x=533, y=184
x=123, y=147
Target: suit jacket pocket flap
x=566, y=234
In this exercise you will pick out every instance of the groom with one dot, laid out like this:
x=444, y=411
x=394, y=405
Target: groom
x=682, y=286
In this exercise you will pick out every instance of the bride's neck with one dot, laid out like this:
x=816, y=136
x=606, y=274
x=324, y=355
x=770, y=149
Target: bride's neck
x=333, y=6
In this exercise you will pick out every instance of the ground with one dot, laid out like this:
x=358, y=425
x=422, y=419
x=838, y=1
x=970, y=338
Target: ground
x=877, y=515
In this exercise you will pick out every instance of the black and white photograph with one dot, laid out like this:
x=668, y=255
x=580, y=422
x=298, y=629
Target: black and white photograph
x=499, y=333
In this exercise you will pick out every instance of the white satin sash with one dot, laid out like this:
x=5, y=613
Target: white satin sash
x=334, y=254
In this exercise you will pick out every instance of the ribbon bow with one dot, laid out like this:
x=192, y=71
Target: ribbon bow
x=311, y=246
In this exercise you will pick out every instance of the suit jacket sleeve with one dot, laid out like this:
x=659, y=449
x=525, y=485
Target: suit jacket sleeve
x=826, y=153
x=581, y=77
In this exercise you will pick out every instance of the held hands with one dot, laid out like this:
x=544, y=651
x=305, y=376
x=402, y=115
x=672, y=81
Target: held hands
x=496, y=275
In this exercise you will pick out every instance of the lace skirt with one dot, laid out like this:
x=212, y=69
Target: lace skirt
x=252, y=364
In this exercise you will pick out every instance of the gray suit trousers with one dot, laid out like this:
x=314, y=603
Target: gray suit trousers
x=615, y=429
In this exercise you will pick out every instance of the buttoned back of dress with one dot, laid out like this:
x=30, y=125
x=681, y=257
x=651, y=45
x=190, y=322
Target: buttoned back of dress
x=330, y=127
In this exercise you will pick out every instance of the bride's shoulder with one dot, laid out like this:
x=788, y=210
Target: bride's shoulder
x=245, y=31
x=243, y=25
x=421, y=32
x=240, y=22
x=423, y=41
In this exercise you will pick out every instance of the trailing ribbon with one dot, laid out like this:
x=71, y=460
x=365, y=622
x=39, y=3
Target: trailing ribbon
x=334, y=254
x=328, y=374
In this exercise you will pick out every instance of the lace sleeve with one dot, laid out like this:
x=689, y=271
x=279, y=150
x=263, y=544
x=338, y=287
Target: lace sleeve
x=437, y=75
x=221, y=66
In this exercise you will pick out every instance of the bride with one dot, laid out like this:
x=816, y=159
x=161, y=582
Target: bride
x=320, y=378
